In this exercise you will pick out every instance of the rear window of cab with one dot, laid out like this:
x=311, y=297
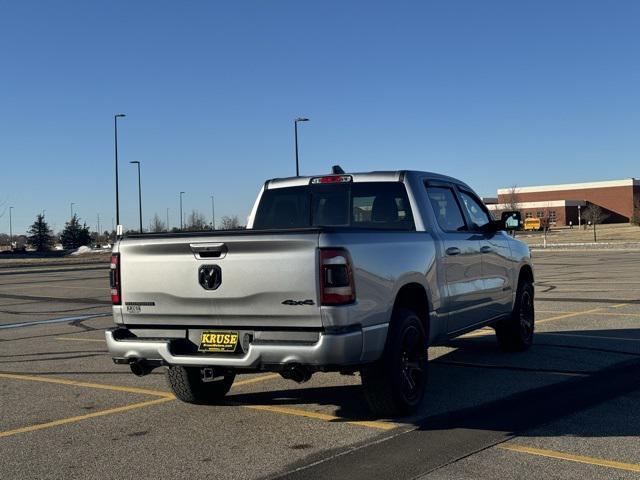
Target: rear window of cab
x=372, y=205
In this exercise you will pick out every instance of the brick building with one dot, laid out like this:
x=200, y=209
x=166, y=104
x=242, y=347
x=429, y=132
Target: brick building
x=563, y=203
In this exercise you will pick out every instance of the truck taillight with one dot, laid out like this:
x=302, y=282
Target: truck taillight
x=336, y=277
x=114, y=279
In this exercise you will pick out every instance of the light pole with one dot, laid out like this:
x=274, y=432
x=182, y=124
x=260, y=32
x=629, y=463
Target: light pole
x=98, y=229
x=10, y=230
x=213, y=215
x=579, y=218
x=139, y=193
x=295, y=127
x=181, y=224
x=115, y=130
x=167, y=219
x=72, y=204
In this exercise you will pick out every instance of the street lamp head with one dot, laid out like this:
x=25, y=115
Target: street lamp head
x=119, y=115
x=135, y=161
x=301, y=119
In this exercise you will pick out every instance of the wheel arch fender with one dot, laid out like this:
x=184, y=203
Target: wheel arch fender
x=412, y=291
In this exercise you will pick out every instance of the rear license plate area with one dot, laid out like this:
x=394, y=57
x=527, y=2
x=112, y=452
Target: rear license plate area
x=218, y=341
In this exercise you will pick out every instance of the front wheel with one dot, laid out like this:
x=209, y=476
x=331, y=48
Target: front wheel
x=194, y=385
x=395, y=385
x=515, y=334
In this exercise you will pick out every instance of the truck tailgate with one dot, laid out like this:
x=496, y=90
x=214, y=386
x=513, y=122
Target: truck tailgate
x=264, y=280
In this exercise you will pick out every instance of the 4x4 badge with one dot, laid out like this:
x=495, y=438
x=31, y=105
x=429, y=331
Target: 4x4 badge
x=298, y=302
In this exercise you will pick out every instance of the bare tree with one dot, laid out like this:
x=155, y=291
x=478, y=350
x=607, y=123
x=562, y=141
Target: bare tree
x=230, y=223
x=511, y=204
x=196, y=222
x=635, y=218
x=545, y=222
x=595, y=215
x=512, y=201
x=157, y=225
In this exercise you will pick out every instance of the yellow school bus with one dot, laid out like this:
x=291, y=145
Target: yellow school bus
x=532, y=224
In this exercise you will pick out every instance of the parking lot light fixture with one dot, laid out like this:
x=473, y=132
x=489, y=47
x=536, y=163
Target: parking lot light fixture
x=295, y=124
x=10, y=230
x=213, y=215
x=136, y=162
x=181, y=221
x=115, y=131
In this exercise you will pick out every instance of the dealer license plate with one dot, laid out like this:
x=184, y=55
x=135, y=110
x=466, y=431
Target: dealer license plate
x=218, y=341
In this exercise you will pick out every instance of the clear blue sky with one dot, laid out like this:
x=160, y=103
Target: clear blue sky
x=494, y=92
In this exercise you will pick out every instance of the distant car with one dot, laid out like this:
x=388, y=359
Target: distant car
x=343, y=272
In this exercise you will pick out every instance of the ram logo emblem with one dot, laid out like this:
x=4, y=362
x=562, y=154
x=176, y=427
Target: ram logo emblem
x=210, y=276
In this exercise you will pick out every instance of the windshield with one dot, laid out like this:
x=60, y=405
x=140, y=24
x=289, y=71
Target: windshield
x=361, y=205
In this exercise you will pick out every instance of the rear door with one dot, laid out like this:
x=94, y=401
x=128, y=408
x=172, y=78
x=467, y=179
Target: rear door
x=461, y=261
x=496, y=254
x=250, y=279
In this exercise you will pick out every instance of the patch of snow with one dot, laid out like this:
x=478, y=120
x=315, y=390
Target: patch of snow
x=82, y=250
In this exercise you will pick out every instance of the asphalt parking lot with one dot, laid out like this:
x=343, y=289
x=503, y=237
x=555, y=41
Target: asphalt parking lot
x=565, y=409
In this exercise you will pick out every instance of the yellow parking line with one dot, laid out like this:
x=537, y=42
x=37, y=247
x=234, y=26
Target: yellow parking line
x=165, y=397
x=630, y=467
x=488, y=331
x=612, y=314
x=74, y=339
x=479, y=333
x=102, y=386
x=619, y=305
x=318, y=416
x=261, y=378
x=118, y=388
x=568, y=315
x=577, y=335
x=78, y=418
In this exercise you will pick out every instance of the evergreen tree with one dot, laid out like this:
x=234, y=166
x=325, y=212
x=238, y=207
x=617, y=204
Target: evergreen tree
x=40, y=236
x=75, y=235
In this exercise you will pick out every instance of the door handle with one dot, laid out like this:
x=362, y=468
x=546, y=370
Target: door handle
x=486, y=249
x=452, y=251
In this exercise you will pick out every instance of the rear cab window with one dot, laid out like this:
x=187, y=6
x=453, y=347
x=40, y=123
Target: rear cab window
x=367, y=205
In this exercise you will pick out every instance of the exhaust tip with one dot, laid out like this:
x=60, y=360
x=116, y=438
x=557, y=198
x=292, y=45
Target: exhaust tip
x=297, y=373
x=141, y=368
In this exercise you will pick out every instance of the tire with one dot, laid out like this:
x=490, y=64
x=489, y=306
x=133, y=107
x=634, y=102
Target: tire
x=188, y=386
x=515, y=334
x=395, y=385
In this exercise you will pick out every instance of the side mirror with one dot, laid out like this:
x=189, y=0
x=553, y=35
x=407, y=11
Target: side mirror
x=510, y=221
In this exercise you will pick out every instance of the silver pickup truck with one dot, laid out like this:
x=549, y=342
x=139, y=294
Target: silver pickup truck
x=357, y=272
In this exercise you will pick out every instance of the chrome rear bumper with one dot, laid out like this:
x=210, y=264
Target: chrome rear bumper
x=329, y=350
